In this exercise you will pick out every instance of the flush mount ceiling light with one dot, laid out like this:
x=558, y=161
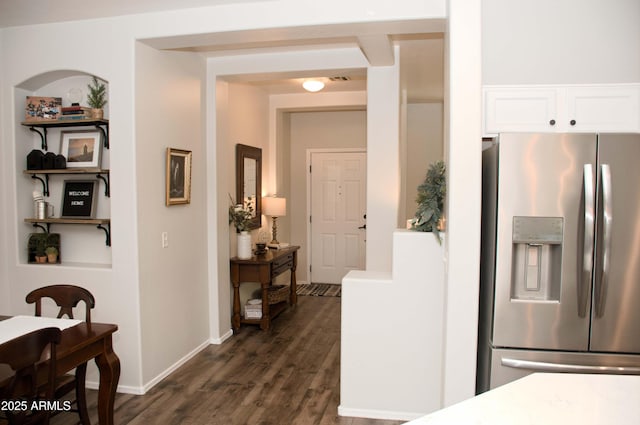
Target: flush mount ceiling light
x=313, y=85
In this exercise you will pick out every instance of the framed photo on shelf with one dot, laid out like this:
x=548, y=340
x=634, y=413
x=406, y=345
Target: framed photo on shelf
x=78, y=199
x=82, y=148
x=178, y=177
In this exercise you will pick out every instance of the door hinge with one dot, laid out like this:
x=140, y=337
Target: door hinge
x=309, y=168
x=309, y=268
x=309, y=219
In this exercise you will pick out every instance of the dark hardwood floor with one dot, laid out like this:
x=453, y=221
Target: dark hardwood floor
x=287, y=375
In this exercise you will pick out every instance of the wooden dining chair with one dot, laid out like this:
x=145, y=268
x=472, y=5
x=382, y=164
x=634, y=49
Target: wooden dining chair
x=67, y=297
x=23, y=355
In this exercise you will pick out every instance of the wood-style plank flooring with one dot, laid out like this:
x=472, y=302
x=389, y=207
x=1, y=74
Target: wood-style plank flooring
x=287, y=375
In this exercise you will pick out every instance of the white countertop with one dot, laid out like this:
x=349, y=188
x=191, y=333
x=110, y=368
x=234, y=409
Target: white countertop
x=549, y=399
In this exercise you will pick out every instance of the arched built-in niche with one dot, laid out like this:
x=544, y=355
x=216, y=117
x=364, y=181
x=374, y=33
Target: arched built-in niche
x=80, y=244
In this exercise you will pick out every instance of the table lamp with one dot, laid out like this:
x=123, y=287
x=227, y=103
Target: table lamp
x=274, y=207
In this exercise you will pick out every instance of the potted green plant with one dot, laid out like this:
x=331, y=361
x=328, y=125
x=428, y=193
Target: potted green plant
x=41, y=255
x=52, y=254
x=430, y=201
x=97, y=97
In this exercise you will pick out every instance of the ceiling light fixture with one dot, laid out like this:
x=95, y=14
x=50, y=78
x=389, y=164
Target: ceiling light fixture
x=313, y=85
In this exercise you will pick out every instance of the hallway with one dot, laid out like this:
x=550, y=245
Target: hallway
x=288, y=375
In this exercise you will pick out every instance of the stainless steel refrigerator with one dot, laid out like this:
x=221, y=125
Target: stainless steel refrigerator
x=560, y=274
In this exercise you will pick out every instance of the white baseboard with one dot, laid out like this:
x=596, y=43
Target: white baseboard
x=223, y=338
x=175, y=366
x=378, y=414
x=126, y=389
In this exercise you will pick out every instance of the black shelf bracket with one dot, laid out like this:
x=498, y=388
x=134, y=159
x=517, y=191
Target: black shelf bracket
x=42, y=134
x=105, y=133
x=45, y=183
x=41, y=128
x=105, y=179
x=107, y=231
x=41, y=226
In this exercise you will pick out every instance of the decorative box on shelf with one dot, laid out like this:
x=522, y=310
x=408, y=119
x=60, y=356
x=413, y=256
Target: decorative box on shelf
x=253, y=309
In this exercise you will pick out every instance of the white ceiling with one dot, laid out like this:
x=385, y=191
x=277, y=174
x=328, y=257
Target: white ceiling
x=421, y=46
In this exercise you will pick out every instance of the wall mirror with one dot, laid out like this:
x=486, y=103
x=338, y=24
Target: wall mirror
x=249, y=180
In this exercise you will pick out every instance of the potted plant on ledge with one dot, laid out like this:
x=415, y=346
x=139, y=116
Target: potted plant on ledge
x=430, y=199
x=52, y=254
x=97, y=98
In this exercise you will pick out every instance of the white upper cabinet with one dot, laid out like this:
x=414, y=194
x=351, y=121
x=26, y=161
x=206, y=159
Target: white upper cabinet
x=610, y=108
x=603, y=109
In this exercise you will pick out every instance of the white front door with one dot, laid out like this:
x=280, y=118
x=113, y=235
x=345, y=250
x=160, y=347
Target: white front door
x=338, y=211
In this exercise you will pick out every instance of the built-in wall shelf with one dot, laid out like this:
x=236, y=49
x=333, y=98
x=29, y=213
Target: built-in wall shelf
x=41, y=127
x=101, y=173
x=100, y=223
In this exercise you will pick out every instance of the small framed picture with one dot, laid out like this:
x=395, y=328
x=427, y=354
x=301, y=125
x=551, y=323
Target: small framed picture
x=178, y=177
x=78, y=199
x=82, y=148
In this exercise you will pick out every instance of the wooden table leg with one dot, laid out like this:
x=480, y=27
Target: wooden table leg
x=109, y=367
x=265, y=322
x=293, y=283
x=235, y=280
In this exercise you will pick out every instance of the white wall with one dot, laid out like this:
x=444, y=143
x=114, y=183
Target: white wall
x=315, y=130
x=383, y=156
x=118, y=289
x=425, y=145
x=115, y=287
x=393, y=332
x=242, y=115
x=463, y=134
x=560, y=42
x=173, y=280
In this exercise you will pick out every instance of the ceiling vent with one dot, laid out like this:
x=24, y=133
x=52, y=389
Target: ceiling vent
x=339, y=78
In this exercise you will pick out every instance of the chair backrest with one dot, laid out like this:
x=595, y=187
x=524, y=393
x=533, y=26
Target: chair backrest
x=23, y=354
x=65, y=296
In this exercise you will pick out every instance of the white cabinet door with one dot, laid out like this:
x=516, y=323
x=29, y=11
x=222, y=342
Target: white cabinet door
x=520, y=109
x=602, y=109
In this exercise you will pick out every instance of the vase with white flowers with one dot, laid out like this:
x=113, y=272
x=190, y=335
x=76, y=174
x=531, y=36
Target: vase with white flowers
x=240, y=215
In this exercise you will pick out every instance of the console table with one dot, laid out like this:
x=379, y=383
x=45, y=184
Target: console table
x=263, y=269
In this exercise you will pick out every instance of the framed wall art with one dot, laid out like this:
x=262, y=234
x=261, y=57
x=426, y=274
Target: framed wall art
x=178, y=177
x=82, y=148
x=78, y=199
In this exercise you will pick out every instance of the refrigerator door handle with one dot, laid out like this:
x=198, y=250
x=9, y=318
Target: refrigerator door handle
x=568, y=368
x=584, y=281
x=602, y=282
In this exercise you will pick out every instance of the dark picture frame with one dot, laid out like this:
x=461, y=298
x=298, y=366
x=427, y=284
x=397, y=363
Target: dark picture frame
x=79, y=199
x=178, y=177
x=81, y=148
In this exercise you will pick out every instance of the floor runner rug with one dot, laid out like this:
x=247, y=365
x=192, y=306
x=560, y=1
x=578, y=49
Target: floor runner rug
x=320, y=290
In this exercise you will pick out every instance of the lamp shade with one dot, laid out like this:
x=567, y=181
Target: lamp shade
x=274, y=207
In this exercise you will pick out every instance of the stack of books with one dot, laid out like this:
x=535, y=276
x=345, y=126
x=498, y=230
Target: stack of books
x=75, y=112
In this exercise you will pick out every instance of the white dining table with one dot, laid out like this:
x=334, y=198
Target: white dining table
x=549, y=399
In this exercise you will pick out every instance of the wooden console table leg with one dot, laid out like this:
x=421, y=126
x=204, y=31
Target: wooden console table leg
x=265, y=322
x=293, y=283
x=235, y=280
